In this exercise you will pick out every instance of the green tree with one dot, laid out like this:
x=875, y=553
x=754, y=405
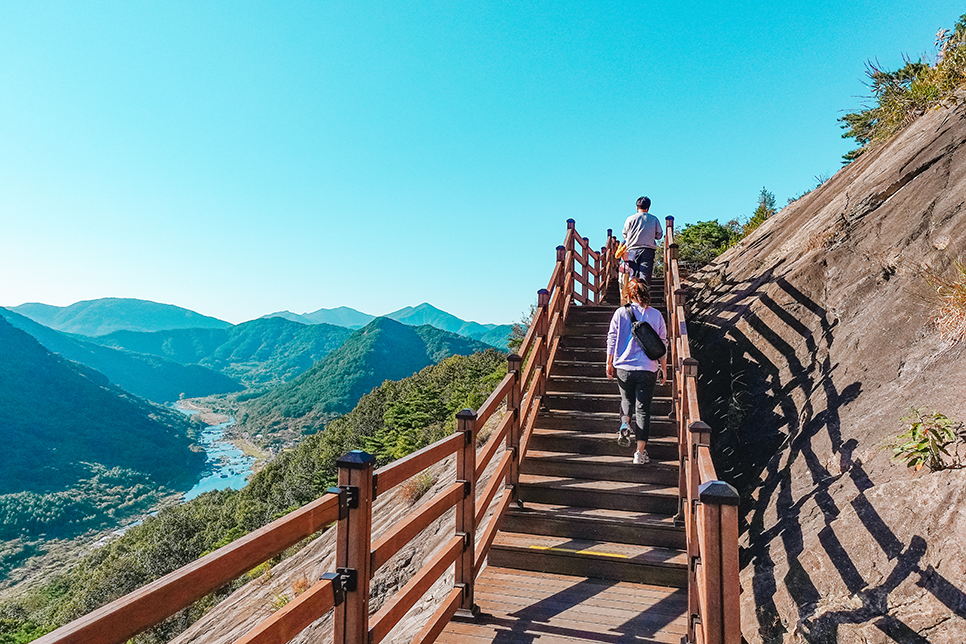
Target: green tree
x=765, y=209
x=703, y=241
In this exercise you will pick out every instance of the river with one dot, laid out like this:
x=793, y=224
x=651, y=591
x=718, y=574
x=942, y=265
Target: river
x=227, y=468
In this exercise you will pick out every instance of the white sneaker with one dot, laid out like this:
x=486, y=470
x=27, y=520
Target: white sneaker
x=641, y=458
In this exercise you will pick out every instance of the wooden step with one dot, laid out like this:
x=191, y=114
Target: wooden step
x=591, y=340
x=603, y=423
x=594, y=382
x=589, y=558
x=593, y=523
x=660, y=448
x=595, y=493
x=660, y=405
x=608, y=467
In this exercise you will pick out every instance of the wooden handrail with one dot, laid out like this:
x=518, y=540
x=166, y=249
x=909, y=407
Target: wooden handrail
x=494, y=400
x=357, y=556
x=407, y=529
x=492, y=445
x=294, y=617
x=124, y=618
x=396, y=608
x=396, y=472
x=708, y=506
x=489, y=492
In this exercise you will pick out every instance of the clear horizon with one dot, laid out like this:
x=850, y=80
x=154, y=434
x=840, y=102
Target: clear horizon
x=237, y=160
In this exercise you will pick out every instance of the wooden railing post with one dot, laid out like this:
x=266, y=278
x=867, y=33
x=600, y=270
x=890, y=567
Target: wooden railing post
x=698, y=433
x=543, y=342
x=718, y=505
x=585, y=274
x=353, y=541
x=513, y=401
x=466, y=512
x=561, y=260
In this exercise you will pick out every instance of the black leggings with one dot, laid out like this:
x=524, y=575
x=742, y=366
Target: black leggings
x=637, y=386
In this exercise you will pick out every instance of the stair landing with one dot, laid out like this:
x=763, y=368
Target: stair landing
x=520, y=607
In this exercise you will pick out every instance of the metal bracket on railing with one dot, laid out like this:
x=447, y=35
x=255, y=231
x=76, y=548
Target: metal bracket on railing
x=466, y=540
x=695, y=619
x=338, y=592
x=348, y=496
x=348, y=578
x=695, y=562
x=343, y=581
x=466, y=488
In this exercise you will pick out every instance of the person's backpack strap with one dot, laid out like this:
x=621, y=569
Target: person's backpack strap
x=645, y=336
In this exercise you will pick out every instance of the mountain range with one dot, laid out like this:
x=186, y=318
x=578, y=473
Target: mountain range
x=256, y=353
x=495, y=335
x=106, y=315
x=382, y=350
x=156, y=378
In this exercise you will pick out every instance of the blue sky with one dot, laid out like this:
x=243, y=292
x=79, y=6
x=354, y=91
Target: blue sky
x=239, y=158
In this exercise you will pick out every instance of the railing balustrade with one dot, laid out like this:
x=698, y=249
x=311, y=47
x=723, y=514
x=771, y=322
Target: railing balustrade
x=709, y=507
x=581, y=275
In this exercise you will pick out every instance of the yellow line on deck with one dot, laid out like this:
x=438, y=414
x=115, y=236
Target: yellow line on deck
x=580, y=552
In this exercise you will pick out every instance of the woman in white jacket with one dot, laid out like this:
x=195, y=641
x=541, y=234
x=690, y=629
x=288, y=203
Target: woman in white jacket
x=636, y=373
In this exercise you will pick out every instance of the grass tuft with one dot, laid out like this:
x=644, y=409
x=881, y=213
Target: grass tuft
x=949, y=317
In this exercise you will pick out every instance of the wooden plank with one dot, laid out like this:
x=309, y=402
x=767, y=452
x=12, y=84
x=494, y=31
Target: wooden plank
x=493, y=444
x=494, y=484
x=388, y=477
x=124, y=618
x=294, y=617
x=531, y=332
x=705, y=465
x=528, y=428
x=397, y=607
x=555, y=276
x=490, y=533
x=431, y=631
x=406, y=530
x=493, y=400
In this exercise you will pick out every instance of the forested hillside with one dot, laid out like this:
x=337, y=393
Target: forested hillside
x=79, y=453
x=382, y=350
x=103, y=316
x=256, y=353
x=151, y=377
x=393, y=419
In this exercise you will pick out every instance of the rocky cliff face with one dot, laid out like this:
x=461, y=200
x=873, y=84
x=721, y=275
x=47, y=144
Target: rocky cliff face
x=815, y=337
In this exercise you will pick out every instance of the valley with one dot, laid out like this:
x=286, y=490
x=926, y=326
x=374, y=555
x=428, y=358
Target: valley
x=241, y=396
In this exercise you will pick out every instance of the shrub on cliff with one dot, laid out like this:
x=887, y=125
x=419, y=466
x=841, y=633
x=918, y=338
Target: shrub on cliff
x=902, y=95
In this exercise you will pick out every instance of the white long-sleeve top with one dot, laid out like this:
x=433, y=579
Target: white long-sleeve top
x=628, y=355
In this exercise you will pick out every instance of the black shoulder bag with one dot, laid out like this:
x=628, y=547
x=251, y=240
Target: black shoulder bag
x=646, y=337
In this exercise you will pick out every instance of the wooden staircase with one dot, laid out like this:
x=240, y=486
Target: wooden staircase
x=586, y=509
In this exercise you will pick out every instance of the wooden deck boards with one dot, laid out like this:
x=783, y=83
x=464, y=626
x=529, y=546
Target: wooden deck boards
x=520, y=607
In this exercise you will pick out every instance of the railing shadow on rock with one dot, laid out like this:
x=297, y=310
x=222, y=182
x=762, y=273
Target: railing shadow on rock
x=709, y=507
x=580, y=277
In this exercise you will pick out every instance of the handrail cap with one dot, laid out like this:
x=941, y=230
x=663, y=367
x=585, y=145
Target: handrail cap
x=699, y=426
x=571, y=224
x=466, y=414
x=669, y=218
x=514, y=357
x=356, y=460
x=717, y=492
